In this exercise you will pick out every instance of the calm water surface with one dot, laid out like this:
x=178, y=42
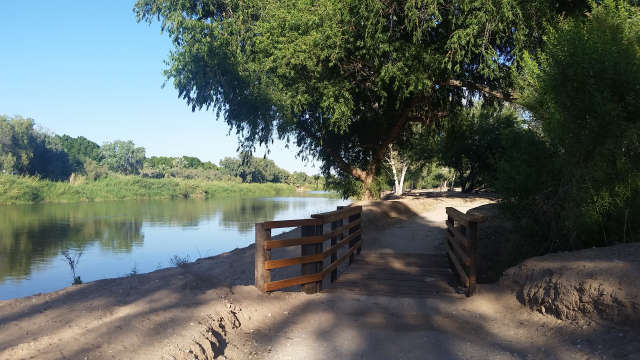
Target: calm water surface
x=117, y=237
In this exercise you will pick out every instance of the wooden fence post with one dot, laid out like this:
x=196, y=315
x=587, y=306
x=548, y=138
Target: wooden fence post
x=358, y=216
x=353, y=218
x=450, y=221
x=472, y=235
x=312, y=249
x=334, y=240
x=262, y=275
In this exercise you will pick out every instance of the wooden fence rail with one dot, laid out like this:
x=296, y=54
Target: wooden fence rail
x=462, y=240
x=345, y=232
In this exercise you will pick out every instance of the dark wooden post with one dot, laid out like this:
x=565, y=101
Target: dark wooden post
x=353, y=218
x=472, y=236
x=312, y=249
x=451, y=223
x=334, y=240
x=359, y=237
x=263, y=276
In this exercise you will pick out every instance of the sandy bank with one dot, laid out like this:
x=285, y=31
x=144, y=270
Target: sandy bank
x=599, y=284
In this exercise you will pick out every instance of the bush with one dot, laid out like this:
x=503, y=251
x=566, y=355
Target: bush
x=476, y=140
x=94, y=171
x=19, y=189
x=578, y=184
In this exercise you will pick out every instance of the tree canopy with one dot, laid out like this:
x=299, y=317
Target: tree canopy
x=253, y=169
x=343, y=79
x=24, y=150
x=79, y=150
x=123, y=156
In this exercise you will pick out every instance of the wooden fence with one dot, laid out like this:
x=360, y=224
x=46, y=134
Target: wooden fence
x=462, y=241
x=345, y=232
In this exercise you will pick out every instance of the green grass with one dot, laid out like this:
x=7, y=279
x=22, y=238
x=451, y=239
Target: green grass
x=29, y=190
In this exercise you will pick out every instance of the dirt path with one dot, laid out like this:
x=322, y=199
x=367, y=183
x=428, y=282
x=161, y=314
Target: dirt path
x=421, y=225
x=208, y=309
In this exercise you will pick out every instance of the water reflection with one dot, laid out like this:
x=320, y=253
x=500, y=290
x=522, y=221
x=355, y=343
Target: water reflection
x=32, y=236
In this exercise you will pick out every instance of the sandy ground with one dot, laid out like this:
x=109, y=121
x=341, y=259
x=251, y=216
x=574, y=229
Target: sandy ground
x=208, y=309
x=599, y=284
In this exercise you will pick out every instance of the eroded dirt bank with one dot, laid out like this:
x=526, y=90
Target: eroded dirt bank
x=208, y=309
x=599, y=284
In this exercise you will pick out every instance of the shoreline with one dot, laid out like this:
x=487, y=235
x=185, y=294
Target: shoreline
x=209, y=261
x=19, y=190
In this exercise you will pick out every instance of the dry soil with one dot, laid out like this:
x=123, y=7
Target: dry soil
x=209, y=309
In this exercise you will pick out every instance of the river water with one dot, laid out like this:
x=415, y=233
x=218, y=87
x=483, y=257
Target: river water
x=116, y=238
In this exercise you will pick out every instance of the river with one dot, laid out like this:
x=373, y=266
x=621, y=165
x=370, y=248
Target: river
x=116, y=238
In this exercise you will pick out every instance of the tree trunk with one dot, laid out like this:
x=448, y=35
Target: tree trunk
x=398, y=181
x=400, y=190
x=397, y=188
x=366, y=187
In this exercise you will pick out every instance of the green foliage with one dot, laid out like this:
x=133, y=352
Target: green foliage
x=584, y=96
x=191, y=162
x=258, y=170
x=417, y=148
x=26, y=190
x=79, y=150
x=93, y=170
x=186, y=162
x=159, y=162
x=341, y=79
x=122, y=157
x=185, y=167
x=475, y=142
x=433, y=176
x=346, y=186
x=27, y=151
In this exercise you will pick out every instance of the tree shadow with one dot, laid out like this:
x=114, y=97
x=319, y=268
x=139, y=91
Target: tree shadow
x=339, y=325
x=370, y=327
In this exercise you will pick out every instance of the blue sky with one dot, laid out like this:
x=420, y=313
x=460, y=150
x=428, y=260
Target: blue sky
x=88, y=68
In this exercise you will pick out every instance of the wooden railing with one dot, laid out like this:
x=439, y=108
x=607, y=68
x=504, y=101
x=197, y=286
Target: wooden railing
x=462, y=241
x=344, y=232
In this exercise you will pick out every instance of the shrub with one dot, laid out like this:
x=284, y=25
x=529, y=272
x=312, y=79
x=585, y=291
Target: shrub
x=578, y=184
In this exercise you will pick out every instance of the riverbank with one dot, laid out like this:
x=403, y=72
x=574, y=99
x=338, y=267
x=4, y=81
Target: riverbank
x=30, y=190
x=210, y=307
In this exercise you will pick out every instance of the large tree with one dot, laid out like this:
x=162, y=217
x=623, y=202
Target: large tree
x=123, y=156
x=343, y=79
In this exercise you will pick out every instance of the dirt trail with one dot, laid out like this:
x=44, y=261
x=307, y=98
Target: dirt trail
x=208, y=309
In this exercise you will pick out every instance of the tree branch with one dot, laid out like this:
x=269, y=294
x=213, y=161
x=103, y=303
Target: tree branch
x=344, y=166
x=510, y=97
x=340, y=162
x=403, y=117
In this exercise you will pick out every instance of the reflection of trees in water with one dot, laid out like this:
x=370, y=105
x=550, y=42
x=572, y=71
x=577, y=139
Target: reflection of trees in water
x=39, y=241
x=37, y=233
x=121, y=236
x=242, y=214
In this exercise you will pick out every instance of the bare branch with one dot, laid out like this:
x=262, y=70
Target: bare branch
x=510, y=97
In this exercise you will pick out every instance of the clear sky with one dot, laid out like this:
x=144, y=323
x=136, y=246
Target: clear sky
x=88, y=68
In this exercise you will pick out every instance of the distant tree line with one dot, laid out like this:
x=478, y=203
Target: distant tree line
x=27, y=150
